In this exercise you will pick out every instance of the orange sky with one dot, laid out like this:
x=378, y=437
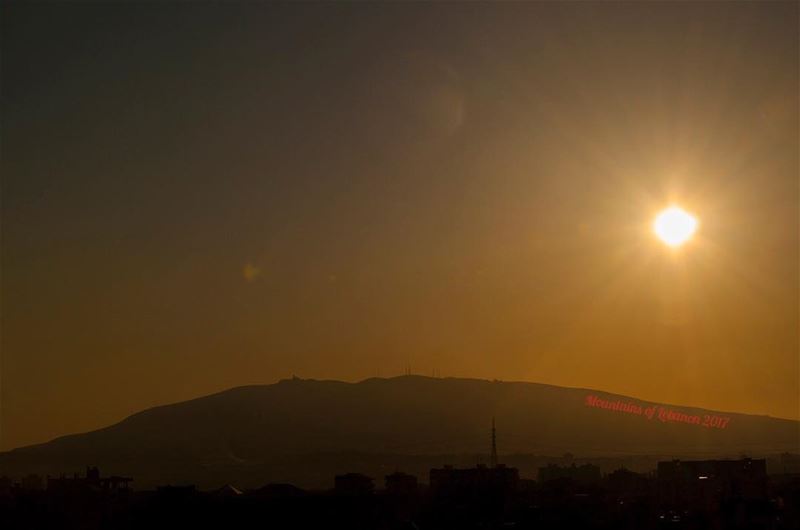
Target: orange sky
x=344, y=191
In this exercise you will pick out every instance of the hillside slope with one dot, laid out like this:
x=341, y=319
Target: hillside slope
x=282, y=431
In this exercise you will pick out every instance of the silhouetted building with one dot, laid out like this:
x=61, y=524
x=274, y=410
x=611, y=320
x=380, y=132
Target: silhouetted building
x=5, y=486
x=353, y=484
x=625, y=484
x=92, y=480
x=401, y=484
x=583, y=474
x=481, y=481
x=476, y=481
x=789, y=463
x=32, y=482
x=176, y=494
x=706, y=483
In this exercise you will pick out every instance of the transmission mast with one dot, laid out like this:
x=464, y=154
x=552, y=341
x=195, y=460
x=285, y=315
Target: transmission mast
x=494, y=446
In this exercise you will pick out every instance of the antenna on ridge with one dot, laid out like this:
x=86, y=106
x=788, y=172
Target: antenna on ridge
x=494, y=446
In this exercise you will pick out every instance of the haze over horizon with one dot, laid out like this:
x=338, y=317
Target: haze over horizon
x=203, y=196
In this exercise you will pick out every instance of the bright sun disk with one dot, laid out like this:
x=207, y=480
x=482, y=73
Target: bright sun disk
x=674, y=226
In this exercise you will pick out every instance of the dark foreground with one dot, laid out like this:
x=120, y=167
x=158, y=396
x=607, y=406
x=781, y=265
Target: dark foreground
x=680, y=495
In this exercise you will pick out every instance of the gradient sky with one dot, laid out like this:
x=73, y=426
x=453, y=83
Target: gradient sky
x=200, y=196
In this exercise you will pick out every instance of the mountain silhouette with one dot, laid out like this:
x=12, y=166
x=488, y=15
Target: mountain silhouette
x=301, y=430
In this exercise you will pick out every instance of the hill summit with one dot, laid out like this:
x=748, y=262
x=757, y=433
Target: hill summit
x=300, y=430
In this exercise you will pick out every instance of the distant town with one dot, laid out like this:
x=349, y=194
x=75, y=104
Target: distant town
x=573, y=493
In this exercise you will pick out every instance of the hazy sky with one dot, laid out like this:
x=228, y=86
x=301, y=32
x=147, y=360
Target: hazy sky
x=199, y=196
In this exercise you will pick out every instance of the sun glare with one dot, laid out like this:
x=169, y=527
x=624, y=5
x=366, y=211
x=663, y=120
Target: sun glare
x=674, y=226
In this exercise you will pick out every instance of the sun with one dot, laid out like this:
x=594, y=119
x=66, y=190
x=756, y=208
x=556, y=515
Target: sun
x=675, y=226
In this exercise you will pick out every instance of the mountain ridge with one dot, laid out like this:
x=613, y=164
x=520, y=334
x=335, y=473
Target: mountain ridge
x=256, y=430
x=313, y=380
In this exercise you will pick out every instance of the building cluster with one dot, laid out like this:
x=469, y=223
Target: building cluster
x=92, y=480
x=696, y=494
x=74, y=484
x=679, y=494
